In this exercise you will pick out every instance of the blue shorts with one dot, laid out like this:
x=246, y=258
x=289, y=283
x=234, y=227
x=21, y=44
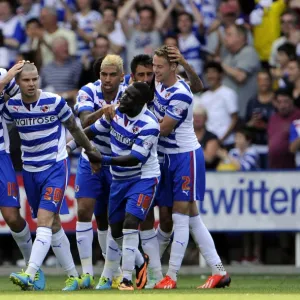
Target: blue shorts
x=46, y=189
x=182, y=178
x=95, y=186
x=133, y=196
x=9, y=193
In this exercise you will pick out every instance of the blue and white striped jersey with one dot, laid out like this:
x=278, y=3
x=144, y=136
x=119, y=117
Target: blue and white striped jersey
x=90, y=98
x=137, y=136
x=11, y=89
x=88, y=24
x=176, y=102
x=248, y=159
x=43, y=137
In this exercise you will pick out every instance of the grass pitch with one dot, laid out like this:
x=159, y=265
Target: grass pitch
x=242, y=287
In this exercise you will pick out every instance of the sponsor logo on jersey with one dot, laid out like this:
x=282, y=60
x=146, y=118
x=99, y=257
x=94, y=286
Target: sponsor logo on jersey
x=36, y=121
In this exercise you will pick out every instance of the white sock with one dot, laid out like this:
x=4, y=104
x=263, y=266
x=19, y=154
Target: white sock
x=113, y=257
x=24, y=241
x=39, y=250
x=129, y=253
x=150, y=246
x=84, y=237
x=102, y=239
x=163, y=239
x=179, y=244
x=206, y=245
x=61, y=248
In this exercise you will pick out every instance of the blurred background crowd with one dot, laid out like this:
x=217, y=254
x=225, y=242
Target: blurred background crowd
x=245, y=51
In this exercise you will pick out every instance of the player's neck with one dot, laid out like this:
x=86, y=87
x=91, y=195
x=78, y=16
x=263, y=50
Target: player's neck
x=170, y=81
x=135, y=112
x=85, y=11
x=31, y=99
x=109, y=97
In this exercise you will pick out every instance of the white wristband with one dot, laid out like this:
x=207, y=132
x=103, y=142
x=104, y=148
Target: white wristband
x=72, y=145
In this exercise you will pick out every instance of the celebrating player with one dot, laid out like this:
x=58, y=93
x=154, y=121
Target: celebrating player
x=183, y=174
x=92, y=190
x=134, y=133
x=9, y=201
x=39, y=118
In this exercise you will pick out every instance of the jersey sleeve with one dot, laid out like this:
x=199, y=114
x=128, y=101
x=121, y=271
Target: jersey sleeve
x=84, y=100
x=6, y=115
x=12, y=88
x=145, y=141
x=100, y=126
x=63, y=110
x=178, y=106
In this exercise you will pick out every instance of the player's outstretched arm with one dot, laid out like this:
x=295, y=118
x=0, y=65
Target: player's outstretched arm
x=89, y=119
x=82, y=140
x=122, y=161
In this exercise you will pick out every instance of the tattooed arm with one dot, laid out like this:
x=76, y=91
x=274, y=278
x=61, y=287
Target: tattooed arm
x=78, y=135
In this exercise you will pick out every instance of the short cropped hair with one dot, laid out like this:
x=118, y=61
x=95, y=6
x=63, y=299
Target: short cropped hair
x=113, y=60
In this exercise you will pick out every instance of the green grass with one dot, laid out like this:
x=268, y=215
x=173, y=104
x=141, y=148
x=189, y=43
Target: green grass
x=242, y=287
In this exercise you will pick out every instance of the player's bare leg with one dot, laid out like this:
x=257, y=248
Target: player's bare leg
x=84, y=238
x=206, y=245
x=150, y=246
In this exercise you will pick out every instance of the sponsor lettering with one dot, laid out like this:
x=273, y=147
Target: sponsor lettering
x=36, y=121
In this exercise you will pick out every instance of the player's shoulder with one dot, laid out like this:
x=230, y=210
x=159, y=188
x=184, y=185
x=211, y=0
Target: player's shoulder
x=16, y=100
x=183, y=87
x=91, y=86
x=150, y=119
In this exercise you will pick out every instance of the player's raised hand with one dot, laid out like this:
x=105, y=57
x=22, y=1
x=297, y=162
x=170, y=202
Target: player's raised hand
x=12, y=72
x=175, y=55
x=109, y=110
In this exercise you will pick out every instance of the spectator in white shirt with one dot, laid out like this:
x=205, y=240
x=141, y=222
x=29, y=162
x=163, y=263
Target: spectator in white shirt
x=221, y=105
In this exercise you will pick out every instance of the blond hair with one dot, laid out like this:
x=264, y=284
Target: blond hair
x=162, y=52
x=198, y=109
x=113, y=60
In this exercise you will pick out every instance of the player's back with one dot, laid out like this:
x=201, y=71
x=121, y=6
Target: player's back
x=43, y=140
x=90, y=98
x=176, y=102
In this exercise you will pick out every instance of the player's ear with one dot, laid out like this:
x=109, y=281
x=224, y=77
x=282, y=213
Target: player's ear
x=173, y=66
x=122, y=77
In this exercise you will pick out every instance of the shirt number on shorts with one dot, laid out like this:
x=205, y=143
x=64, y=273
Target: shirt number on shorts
x=186, y=182
x=12, y=189
x=57, y=194
x=144, y=201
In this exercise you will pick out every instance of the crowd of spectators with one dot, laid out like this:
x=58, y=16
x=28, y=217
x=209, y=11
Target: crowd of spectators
x=246, y=53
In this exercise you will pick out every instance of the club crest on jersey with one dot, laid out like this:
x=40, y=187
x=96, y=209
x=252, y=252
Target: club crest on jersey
x=147, y=145
x=45, y=108
x=135, y=129
x=83, y=97
x=167, y=95
x=177, y=111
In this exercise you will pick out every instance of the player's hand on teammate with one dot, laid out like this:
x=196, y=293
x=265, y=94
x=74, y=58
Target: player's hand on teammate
x=109, y=111
x=175, y=55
